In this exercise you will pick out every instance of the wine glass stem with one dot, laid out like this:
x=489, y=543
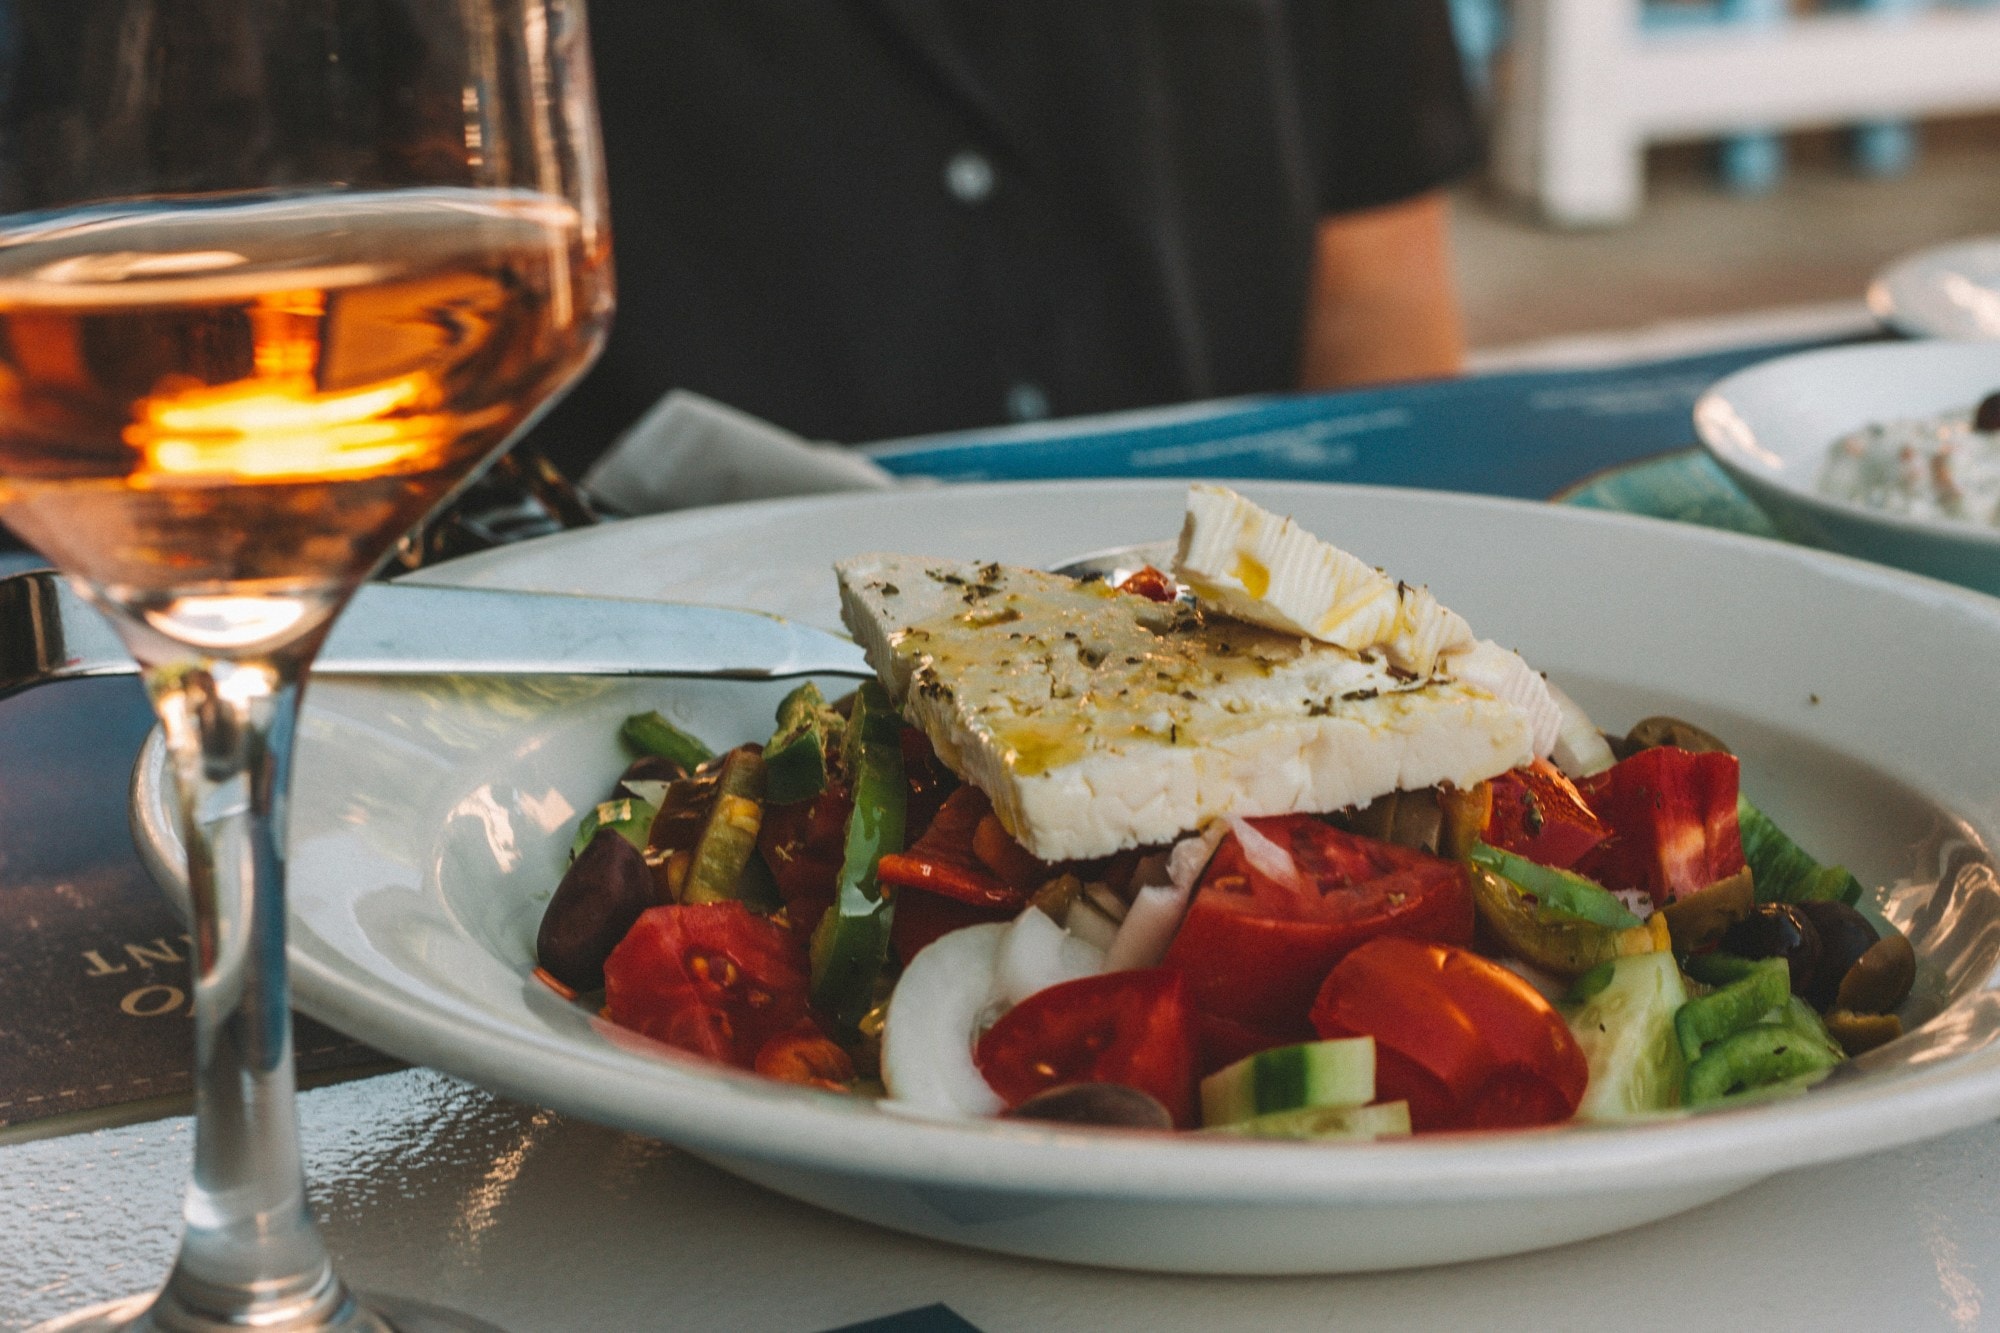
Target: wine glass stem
x=250, y=1253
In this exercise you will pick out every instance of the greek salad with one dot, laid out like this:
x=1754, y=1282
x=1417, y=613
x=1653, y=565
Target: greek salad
x=946, y=889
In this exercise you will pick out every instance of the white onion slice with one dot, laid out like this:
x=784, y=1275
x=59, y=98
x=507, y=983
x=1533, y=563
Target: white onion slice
x=1156, y=911
x=934, y=1016
x=1088, y=923
x=1037, y=954
x=1267, y=858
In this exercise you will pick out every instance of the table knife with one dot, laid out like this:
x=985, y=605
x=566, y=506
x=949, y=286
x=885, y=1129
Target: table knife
x=48, y=632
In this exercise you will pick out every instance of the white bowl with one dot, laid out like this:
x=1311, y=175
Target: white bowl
x=430, y=821
x=1770, y=427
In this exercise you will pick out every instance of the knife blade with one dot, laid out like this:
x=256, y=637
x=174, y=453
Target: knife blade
x=48, y=632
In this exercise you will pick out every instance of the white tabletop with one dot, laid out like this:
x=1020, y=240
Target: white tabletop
x=433, y=1189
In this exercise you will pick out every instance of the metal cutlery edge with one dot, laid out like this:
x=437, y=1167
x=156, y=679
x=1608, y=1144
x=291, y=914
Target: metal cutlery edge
x=48, y=632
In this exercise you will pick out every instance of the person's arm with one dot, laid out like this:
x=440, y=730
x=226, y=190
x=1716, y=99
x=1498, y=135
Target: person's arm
x=1382, y=305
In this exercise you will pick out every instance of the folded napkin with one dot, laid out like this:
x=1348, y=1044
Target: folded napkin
x=690, y=450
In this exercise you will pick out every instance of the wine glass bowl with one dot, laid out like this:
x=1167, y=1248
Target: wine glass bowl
x=262, y=395
x=276, y=278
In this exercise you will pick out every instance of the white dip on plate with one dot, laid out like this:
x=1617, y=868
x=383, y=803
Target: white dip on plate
x=1932, y=468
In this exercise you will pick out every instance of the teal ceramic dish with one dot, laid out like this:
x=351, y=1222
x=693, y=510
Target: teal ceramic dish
x=1769, y=427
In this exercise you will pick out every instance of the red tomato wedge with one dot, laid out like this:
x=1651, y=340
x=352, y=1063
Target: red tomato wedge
x=802, y=843
x=1220, y=1042
x=715, y=979
x=1134, y=1028
x=1466, y=1042
x=948, y=858
x=1254, y=950
x=1538, y=813
x=929, y=781
x=922, y=916
x=1673, y=823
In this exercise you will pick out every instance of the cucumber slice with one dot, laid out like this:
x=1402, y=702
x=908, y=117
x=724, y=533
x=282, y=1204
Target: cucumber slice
x=1382, y=1120
x=1291, y=1078
x=1782, y=870
x=1626, y=1030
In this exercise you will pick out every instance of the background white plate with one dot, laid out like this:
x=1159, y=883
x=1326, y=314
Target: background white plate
x=1947, y=291
x=430, y=822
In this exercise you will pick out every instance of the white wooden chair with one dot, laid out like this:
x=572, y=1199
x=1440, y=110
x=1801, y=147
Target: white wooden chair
x=1587, y=86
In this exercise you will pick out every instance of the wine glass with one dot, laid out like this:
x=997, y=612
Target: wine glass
x=276, y=277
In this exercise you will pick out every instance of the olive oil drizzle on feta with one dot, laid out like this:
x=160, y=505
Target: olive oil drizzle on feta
x=1145, y=671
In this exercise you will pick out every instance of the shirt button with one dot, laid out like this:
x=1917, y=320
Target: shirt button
x=1027, y=402
x=968, y=177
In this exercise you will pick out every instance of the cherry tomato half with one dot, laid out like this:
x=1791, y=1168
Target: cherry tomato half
x=1134, y=1028
x=1466, y=1042
x=715, y=979
x=1255, y=950
x=1151, y=584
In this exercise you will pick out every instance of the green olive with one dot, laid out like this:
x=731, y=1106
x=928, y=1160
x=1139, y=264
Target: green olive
x=1881, y=978
x=1862, y=1032
x=1650, y=733
x=1700, y=919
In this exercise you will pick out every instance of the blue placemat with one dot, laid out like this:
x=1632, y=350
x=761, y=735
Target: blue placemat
x=1529, y=434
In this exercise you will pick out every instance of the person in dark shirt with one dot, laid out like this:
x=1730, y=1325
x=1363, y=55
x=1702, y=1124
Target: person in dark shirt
x=863, y=219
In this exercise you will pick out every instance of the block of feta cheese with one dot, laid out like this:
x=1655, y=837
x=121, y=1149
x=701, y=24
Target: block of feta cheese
x=1251, y=564
x=1098, y=720
x=1243, y=561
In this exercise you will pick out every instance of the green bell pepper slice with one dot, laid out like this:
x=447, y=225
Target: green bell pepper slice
x=728, y=839
x=1723, y=1013
x=851, y=944
x=1558, y=891
x=651, y=733
x=630, y=817
x=1794, y=1047
x=796, y=760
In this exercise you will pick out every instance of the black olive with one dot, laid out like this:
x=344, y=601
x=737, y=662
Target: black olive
x=648, y=768
x=1987, y=415
x=1111, y=1104
x=1778, y=930
x=1844, y=935
x=600, y=896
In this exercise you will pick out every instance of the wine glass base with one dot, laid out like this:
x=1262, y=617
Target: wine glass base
x=368, y=1314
